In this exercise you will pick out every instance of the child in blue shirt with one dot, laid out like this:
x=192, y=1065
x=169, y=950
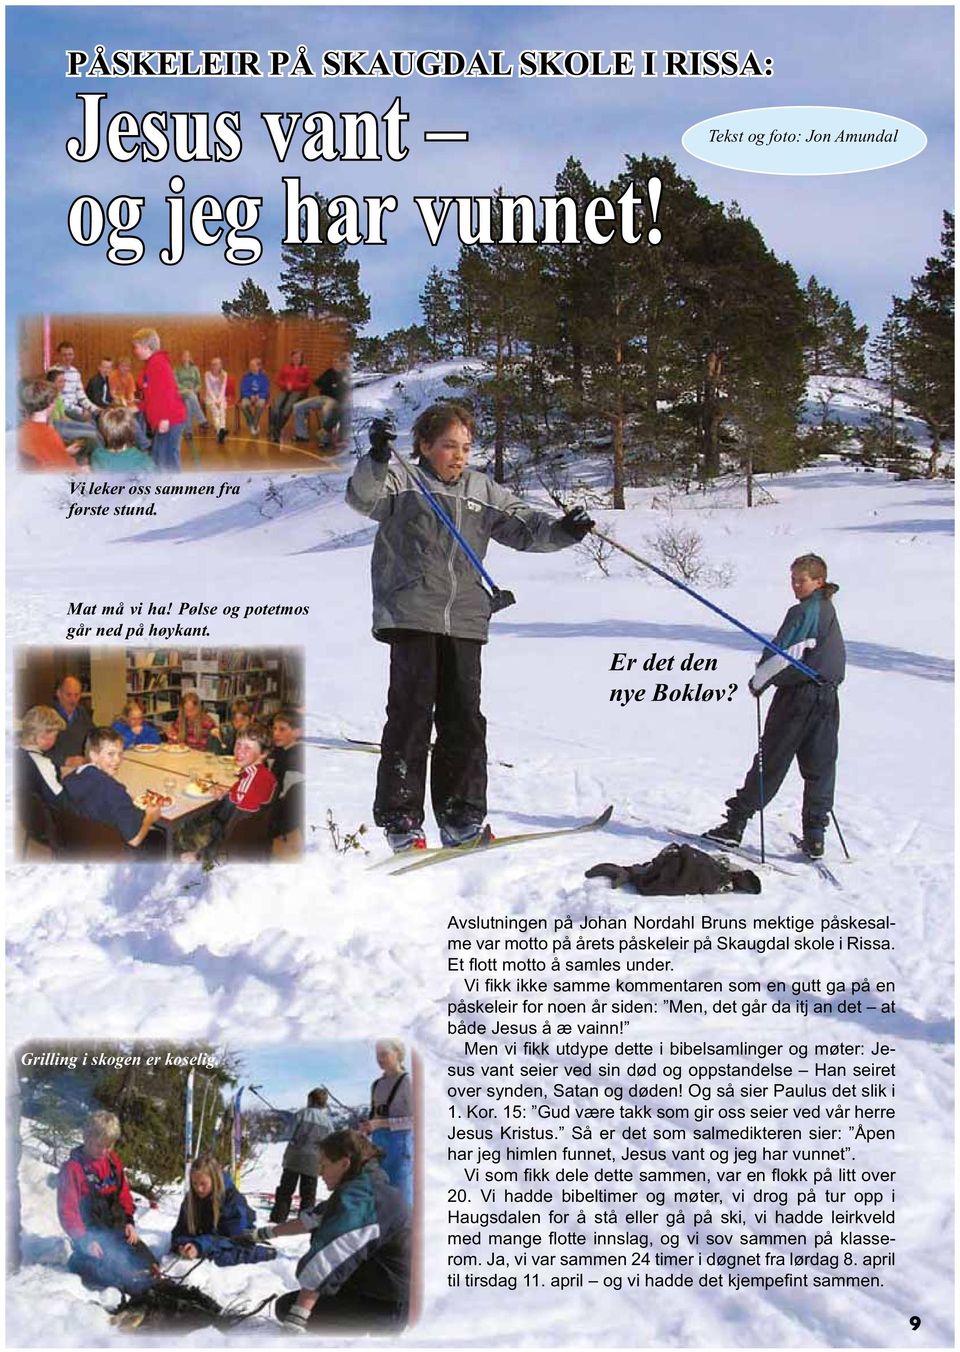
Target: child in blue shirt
x=134, y=728
x=254, y=394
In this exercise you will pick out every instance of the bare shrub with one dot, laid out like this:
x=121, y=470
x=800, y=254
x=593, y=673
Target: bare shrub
x=680, y=550
x=597, y=550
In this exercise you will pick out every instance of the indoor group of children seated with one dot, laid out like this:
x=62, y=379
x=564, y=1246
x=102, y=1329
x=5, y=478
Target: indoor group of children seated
x=269, y=774
x=117, y=424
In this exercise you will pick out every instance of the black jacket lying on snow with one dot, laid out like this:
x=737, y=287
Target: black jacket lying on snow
x=678, y=871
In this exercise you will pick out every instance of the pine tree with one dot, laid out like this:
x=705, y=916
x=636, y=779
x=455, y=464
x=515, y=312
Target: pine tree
x=320, y=281
x=833, y=342
x=743, y=322
x=926, y=361
x=885, y=353
x=497, y=287
x=439, y=314
x=251, y=302
x=149, y=1100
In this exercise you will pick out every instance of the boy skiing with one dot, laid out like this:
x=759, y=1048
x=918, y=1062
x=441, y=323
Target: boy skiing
x=429, y=605
x=804, y=715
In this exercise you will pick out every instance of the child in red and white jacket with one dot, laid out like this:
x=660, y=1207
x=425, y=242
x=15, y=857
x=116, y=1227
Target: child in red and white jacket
x=96, y=1210
x=255, y=788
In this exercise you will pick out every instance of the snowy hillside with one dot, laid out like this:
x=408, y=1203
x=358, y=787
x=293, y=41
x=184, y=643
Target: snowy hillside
x=330, y=949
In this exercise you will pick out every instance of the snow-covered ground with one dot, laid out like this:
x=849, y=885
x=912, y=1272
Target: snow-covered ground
x=60, y=1311
x=327, y=948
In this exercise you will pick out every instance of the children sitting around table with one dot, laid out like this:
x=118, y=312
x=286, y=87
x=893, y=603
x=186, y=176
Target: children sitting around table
x=94, y=791
x=213, y=1217
x=253, y=790
x=133, y=727
x=36, y=772
x=193, y=726
x=120, y=453
x=40, y=444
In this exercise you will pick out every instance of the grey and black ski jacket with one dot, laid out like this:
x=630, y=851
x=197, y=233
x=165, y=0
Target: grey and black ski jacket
x=310, y=1126
x=421, y=577
x=811, y=632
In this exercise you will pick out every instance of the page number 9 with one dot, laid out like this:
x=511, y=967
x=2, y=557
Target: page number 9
x=914, y=1322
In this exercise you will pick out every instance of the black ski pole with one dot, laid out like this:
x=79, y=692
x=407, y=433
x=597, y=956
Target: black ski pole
x=760, y=774
x=345, y=1106
x=254, y=1089
x=833, y=818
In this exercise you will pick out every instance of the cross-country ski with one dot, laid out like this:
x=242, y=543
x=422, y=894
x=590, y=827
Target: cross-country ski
x=420, y=859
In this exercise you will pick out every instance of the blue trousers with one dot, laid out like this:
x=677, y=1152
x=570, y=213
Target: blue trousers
x=397, y=1163
x=166, y=449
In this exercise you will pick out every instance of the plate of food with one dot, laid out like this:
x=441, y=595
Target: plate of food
x=147, y=748
x=150, y=798
x=200, y=788
x=178, y=749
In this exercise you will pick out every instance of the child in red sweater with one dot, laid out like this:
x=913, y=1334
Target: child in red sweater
x=96, y=1209
x=164, y=409
x=293, y=384
x=254, y=789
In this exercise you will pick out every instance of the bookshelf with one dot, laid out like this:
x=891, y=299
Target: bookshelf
x=267, y=677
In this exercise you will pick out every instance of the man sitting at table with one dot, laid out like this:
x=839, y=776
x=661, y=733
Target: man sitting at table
x=94, y=790
x=254, y=789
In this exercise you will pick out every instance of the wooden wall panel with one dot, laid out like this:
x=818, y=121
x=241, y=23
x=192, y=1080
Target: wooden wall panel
x=97, y=336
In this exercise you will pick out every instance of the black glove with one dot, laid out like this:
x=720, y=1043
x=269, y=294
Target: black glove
x=577, y=523
x=382, y=437
x=618, y=875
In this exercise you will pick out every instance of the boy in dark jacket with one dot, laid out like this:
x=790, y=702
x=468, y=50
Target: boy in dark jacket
x=804, y=715
x=96, y=1209
x=93, y=789
x=286, y=760
x=430, y=606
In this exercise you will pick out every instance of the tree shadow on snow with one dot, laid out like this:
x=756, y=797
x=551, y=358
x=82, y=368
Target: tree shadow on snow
x=872, y=656
x=355, y=539
x=918, y=526
x=288, y=500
